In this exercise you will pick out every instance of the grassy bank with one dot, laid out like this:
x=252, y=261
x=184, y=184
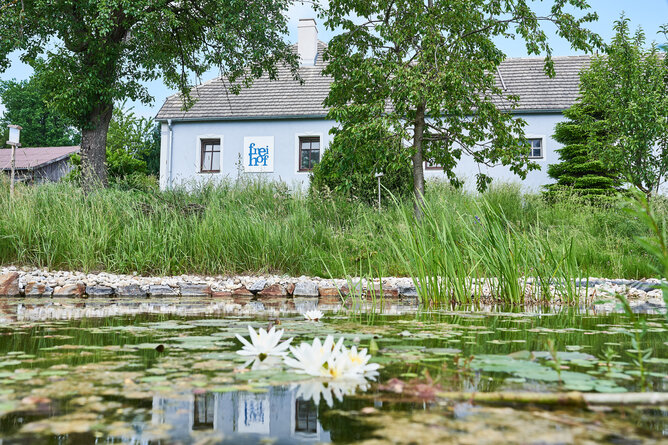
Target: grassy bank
x=262, y=228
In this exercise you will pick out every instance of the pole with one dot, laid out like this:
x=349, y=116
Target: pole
x=379, y=175
x=11, y=174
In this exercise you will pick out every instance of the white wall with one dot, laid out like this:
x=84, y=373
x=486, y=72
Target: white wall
x=286, y=132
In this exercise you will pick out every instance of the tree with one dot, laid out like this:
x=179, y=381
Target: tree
x=25, y=105
x=425, y=71
x=90, y=54
x=348, y=167
x=131, y=145
x=630, y=85
x=580, y=168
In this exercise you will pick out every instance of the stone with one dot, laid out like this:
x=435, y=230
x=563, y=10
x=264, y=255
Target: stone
x=9, y=285
x=221, y=294
x=290, y=288
x=131, y=291
x=99, y=291
x=306, y=289
x=275, y=290
x=195, y=290
x=70, y=291
x=158, y=290
x=328, y=292
x=391, y=292
x=408, y=294
x=257, y=286
x=355, y=288
x=242, y=292
x=38, y=290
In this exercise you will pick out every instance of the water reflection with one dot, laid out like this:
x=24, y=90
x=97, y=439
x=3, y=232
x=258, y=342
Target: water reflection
x=281, y=412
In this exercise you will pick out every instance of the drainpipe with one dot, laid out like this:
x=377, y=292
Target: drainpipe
x=169, y=153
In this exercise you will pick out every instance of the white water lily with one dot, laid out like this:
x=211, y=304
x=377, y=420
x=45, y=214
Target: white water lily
x=264, y=344
x=351, y=364
x=314, y=315
x=313, y=359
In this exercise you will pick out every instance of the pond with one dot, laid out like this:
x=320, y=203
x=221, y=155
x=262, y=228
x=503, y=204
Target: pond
x=158, y=378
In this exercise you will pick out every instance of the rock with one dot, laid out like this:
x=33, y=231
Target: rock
x=159, y=290
x=328, y=292
x=242, y=292
x=70, y=291
x=275, y=290
x=131, y=291
x=257, y=286
x=355, y=288
x=99, y=291
x=306, y=289
x=195, y=290
x=9, y=285
x=408, y=294
x=390, y=292
x=290, y=288
x=38, y=290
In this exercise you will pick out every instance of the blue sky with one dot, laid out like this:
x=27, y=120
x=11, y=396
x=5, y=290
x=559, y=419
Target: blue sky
x=649, y=14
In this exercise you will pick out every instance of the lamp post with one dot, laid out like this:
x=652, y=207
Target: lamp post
x=14, y=138
x=379, y=175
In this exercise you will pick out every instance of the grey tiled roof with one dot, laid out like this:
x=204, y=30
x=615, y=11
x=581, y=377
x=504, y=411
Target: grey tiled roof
x=287, y=98
x=34, y=157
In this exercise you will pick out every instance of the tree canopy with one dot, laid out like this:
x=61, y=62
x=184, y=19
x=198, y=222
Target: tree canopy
x=425, y=71
x=629, y=84
x=25, y=105
x=92, y=53
x=581, y=168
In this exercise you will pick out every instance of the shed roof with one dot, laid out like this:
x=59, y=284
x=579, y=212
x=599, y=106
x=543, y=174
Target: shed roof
x=30, y=158
x=287, y=98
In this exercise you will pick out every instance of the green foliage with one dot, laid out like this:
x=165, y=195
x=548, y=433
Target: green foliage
x=25, y=105
x=580, y=168
x=89, y=55
x=425, y=72
x=349, y=165
x=217, y=230
x=629, y=85
x=131, y=145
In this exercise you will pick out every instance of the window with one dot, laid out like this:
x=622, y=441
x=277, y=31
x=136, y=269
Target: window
x=309, y=152
x=210, y=159
x=306, y=416
x=536, y=148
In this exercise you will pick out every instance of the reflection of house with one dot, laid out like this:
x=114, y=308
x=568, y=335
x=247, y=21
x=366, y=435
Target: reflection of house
x=277, y=413
x=39, y=164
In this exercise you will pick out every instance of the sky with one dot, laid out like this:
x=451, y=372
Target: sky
x=648, y=14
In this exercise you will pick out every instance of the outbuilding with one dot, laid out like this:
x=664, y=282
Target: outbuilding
x=38, y=164
x=279, y=129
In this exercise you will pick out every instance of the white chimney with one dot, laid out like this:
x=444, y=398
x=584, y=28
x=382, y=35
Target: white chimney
x=308, y=42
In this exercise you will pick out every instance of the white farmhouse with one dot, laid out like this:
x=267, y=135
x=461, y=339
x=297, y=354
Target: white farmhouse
x=279, y=129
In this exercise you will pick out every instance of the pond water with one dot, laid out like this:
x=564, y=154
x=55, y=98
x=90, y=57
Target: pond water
x=168, y=378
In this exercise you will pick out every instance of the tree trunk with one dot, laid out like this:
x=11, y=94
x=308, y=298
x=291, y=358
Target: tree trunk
x=418, y=168
x=94, y=148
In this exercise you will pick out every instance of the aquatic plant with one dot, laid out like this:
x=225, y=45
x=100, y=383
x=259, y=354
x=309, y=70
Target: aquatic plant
x=313, y=315
x=313, y=359
x=264, y=343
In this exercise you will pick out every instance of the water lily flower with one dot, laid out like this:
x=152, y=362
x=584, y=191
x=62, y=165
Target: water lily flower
x=351, y=364
x=314, y=315
x=264, y=344
x=313, y=359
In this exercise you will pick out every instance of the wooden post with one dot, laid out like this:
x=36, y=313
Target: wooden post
x=11, y=174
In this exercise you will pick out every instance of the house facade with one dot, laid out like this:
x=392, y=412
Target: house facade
x=279, y=129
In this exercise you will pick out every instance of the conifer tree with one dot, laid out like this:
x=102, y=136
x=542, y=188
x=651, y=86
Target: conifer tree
x=581, y=168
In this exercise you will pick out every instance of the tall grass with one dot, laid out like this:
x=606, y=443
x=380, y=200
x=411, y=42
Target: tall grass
x=260, y=227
